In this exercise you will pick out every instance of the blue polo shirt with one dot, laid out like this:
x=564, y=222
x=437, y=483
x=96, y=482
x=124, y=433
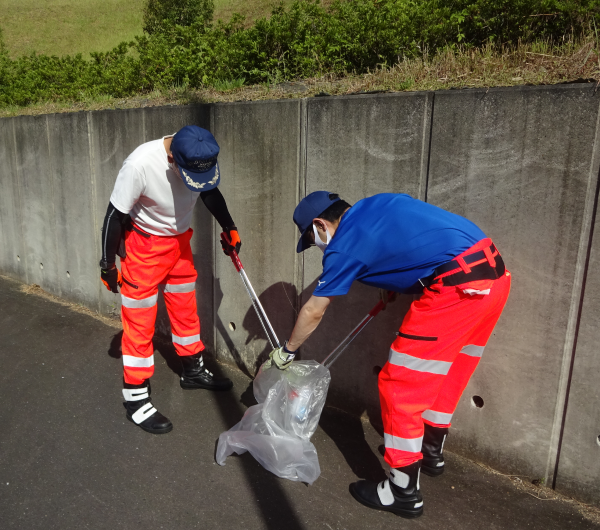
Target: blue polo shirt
x=390, y=241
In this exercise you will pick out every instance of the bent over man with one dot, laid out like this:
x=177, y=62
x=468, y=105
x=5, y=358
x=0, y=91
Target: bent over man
x=151, y=209
x=400, y=244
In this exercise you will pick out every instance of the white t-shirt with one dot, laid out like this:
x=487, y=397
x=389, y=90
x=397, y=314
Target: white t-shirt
x=152, y=193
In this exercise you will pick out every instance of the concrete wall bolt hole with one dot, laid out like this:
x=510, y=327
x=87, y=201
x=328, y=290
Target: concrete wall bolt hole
x=18, y=258
x=68, y=274
x=598, y=440
x=42, y=266
x=232, y=326
x=477, y=402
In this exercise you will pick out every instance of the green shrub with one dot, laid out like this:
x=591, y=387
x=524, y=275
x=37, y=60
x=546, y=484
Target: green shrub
x=304, y=40
x=163, y=15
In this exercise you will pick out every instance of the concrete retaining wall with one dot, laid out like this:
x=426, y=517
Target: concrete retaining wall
x=522, y=163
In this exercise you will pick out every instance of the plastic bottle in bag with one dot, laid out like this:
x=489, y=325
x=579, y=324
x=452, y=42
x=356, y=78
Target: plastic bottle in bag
x=299, y=404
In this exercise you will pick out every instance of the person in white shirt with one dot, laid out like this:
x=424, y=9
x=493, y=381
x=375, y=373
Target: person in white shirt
x=147, y=224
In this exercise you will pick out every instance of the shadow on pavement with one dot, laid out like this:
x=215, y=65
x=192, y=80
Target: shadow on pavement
x=114, y=349
x=276, y=510
x=347, y=433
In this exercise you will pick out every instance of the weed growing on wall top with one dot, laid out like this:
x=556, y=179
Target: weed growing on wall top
x=305, y=40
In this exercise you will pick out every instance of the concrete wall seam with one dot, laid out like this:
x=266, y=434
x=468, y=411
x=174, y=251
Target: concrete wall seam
x=96, y=214
x=216, y=250
x=300, y=194
x=582, y=268
x=20, y=200
x=426, y=148
x=54, y=178
x=576, y=334
x=583, y=256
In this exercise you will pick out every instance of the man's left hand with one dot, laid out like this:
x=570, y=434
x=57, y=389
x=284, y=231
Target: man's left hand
x=234, y=242
x=111, y=278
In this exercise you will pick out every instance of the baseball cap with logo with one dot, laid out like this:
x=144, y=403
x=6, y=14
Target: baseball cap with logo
x=308, y=209
x=195, y=151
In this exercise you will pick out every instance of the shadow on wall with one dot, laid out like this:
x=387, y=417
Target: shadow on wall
x=278, y=294
x=220, y=329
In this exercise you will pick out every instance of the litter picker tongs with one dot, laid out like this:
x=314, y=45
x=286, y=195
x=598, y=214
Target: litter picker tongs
x=260, y=312
x=335, y=354
x=264, y=320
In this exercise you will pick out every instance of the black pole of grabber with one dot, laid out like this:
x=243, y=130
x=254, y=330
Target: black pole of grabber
x=334, y=355
x=260, y=312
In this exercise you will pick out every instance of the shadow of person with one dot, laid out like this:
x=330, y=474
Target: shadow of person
x=347, y=432
x=279, y=302
x=247, y=397
x=220, y=327
x=167, y=351
x=114, y=349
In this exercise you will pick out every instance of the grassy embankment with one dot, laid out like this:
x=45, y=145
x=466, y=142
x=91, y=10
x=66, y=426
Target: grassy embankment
x=112, y=21
x=67, y=27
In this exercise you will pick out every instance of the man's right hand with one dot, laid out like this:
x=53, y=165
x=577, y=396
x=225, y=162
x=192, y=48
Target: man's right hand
x=111, y=278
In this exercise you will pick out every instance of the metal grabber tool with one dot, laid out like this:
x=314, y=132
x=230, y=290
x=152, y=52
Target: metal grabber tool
x=260, y=312
x=335, y=354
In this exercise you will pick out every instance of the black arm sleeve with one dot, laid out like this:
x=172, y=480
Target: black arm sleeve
x=215, y=202
x=111, y=233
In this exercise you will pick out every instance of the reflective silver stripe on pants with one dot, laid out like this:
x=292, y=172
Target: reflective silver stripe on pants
x=132, y=303
x=185, y=341
x=419, y=365
x=412, y=445
x=472, y=350
x=441, y=418
x=138, y=362
x=178, y=287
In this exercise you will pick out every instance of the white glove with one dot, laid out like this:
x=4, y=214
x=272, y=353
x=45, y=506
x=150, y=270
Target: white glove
x=281, y=357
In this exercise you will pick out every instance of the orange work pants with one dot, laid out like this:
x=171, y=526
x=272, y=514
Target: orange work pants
x=441, y=340
x=153, y=262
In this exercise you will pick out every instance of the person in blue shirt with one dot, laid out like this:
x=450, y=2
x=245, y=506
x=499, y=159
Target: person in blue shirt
x=402, y=245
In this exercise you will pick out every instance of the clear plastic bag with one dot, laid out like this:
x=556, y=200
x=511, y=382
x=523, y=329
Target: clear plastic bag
x=277, y=431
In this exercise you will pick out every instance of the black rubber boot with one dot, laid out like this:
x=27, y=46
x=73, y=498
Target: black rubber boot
x=399, y=494
x=141, y=412
x=433, y=447
x=194, y=375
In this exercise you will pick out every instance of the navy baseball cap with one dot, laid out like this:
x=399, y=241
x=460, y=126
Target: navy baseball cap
x=195, y=151
x=310, y=207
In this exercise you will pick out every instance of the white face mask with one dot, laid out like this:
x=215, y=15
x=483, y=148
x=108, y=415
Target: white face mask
x=318, y=240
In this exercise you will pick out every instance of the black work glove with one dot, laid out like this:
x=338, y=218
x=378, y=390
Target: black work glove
x=233, y=241
x=111, y=278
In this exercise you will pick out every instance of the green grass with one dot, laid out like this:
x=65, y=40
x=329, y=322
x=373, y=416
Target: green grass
x=251, y=9
x=61, y=27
